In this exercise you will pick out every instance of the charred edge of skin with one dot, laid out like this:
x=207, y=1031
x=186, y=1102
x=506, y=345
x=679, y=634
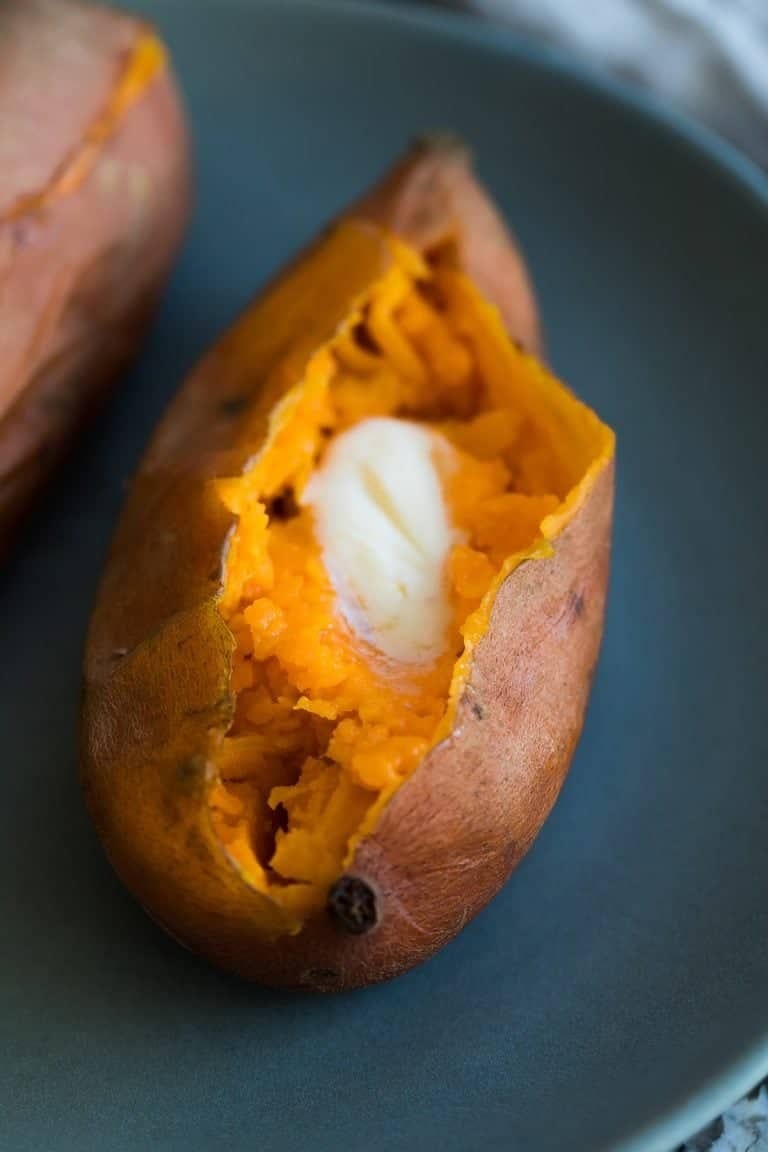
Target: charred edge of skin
x=352, y=906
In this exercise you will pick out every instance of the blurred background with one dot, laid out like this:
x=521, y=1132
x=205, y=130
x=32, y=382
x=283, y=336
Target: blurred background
x=707, y=57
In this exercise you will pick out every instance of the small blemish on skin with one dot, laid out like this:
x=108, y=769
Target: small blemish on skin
x=118, y=653
x=576, y=603
x=477, y=709
x=21, y=233
x=325, y=979
x=352, y=906
x=233, y=406
x=190, y=775
x=191, y=769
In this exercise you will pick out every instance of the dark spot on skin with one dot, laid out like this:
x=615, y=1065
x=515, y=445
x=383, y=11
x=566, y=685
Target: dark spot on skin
x=520, y=346
x=324, y=979
x=189, y=771
x=576, y=603
x=190, y=781
x=477, y=709
x=118, y=653
x=215, y=574
x=511, y=855
x=283, y=506
x=352, y=906
x=326, y=431
x=21, y=232
x=233, y=406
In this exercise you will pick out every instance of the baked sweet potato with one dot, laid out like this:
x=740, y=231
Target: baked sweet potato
x=343, y=645
x=94, y=192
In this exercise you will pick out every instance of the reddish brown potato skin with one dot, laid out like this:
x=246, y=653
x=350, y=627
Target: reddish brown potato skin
x=487, y=789
x=80, y=270
x=158, y=665
x=427, y=197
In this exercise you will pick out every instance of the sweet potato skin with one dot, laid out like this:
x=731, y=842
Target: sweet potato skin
x=427, y=197
x=93, y=206
x=157, y=689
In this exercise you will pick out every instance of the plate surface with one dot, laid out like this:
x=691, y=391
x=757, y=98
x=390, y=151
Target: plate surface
x=614, y=996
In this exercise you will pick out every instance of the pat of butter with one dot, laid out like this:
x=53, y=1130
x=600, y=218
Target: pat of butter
x=385, y=531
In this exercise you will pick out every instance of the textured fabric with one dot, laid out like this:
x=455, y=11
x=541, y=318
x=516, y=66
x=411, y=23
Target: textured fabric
x=743, y=1128
x=709, y=57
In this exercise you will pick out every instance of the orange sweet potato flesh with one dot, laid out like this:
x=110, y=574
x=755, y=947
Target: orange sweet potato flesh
x=94, y=195
x=159, y=697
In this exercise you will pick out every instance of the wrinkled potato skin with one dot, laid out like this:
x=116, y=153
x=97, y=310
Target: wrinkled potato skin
x=80, y=267
x=157, y=670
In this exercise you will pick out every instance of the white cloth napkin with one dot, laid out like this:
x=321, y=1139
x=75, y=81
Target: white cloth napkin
x=743, y=1128
x=709, y=57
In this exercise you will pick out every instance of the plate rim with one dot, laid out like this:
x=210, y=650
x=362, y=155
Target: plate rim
x=675, y=1124
x=491, y=35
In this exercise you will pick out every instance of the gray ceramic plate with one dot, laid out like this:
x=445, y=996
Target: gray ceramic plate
x=614, y=996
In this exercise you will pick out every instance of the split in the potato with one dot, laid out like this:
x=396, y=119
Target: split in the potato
x=421, y=458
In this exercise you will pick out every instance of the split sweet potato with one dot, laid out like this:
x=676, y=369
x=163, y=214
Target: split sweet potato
x=94, y=194
x=282, y=782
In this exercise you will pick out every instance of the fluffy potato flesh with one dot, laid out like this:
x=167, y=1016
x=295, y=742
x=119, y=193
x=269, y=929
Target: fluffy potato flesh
x=329, y=719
